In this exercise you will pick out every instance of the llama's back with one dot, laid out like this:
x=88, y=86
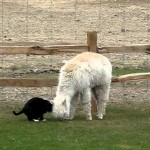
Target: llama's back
x=88, y=69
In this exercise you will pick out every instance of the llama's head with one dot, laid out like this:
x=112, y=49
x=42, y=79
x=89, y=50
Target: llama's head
x=60, y=108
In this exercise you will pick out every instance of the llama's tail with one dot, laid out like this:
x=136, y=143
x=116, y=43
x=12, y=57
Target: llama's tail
x=18, y=113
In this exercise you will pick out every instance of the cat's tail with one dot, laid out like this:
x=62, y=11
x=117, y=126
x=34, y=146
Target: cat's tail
x=18, y=113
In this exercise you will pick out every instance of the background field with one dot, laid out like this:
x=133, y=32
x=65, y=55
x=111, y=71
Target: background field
x=118, y=22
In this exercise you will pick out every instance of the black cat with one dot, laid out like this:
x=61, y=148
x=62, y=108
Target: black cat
x=35, y=108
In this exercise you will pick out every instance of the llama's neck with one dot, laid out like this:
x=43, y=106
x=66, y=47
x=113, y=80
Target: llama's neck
x=66, y=85
x=61, y=89
x=66, y=90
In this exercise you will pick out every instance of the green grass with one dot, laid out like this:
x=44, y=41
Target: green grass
x=125, y=127
x=122, y=71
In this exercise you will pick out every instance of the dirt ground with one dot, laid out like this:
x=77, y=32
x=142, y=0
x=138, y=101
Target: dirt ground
x=118, y=22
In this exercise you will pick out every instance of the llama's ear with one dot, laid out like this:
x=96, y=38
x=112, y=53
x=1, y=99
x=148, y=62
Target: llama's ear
x=64, y=103
x=52, y=102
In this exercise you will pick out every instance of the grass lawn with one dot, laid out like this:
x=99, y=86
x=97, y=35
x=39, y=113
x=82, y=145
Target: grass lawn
x=122, y=71
x=126, y=126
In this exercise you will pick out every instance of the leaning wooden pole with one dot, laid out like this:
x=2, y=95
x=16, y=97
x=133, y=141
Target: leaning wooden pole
x=131, y=77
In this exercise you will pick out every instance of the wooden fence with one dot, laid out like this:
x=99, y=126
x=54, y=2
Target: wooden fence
x=91, y=46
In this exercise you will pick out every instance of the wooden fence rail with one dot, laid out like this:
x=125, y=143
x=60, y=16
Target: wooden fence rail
x=54, y=50
x=43, y=50
x=131, y=77
x=126, y=49
x=23, y=82
x=58, y=49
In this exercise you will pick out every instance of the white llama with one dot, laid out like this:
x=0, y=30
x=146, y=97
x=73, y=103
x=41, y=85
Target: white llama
x=82, y=73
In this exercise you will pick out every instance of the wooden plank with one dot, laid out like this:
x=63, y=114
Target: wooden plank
x=12, y=82
x=92, y=41
x=39, y=82
x=131, y=77
x=43, y=50
x=54, y=50
x=126, y=49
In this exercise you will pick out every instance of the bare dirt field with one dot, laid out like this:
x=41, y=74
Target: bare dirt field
x=117, y=22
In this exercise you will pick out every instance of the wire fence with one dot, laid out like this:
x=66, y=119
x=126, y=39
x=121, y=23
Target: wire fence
x=118, y=22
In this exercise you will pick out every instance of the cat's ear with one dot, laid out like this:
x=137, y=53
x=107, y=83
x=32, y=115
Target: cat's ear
x=64, y=103
x=52, y=102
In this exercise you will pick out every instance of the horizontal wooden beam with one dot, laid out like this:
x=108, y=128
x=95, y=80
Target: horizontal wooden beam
x=12, y=82
x=43, y=50
x=131, y=77
x=39, y=82
x=58, y=49
x=125, y=49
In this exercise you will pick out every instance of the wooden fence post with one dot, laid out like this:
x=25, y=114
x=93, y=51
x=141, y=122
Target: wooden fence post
x=92, y=47
x=92, y=41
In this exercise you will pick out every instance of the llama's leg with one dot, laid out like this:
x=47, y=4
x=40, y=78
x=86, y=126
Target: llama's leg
x=102, y=93
x=86, y=103
x=73, y=106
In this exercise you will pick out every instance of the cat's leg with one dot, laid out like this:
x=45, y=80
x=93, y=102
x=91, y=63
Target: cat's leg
x=42, y=118
x=30, y=118
x=35, y=120
x=102, y=94
x=34, y=115
x=73, y=106
x=86, y=103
